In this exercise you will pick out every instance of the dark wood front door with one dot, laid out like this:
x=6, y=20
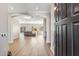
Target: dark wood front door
x=66, y=29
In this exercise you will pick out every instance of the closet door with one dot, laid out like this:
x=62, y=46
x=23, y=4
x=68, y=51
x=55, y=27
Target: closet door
x=64, y=39
x=3, y=29
x=76, y=39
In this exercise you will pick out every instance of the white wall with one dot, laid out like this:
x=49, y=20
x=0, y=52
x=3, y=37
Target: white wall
x=13, y=29
x=9, y=28
x=52, y=28
x=48, y=27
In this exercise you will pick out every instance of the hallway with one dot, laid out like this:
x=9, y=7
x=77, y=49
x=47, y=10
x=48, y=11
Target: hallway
x=59, y=23
x=30, y=46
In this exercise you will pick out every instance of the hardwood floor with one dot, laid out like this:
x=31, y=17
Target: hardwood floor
x=30, y=46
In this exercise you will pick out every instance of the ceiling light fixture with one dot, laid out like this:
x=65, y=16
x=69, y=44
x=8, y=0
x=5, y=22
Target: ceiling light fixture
x=55, y=8
x=36, y=8
x=27, y=17
x=12, y=8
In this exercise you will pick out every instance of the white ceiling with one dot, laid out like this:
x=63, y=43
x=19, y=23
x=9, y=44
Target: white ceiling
x=23, y=20
x=29, y=7
x=35, y=10
x=31, y=22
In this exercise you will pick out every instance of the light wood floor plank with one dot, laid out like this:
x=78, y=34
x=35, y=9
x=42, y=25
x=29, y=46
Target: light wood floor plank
x=30, y=46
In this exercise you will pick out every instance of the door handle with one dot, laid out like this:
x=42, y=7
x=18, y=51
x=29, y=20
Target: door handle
x=2, y=35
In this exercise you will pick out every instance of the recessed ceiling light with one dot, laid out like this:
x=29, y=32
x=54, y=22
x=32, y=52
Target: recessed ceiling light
x=12, y=8
x=27, y=17
x=37, y=8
